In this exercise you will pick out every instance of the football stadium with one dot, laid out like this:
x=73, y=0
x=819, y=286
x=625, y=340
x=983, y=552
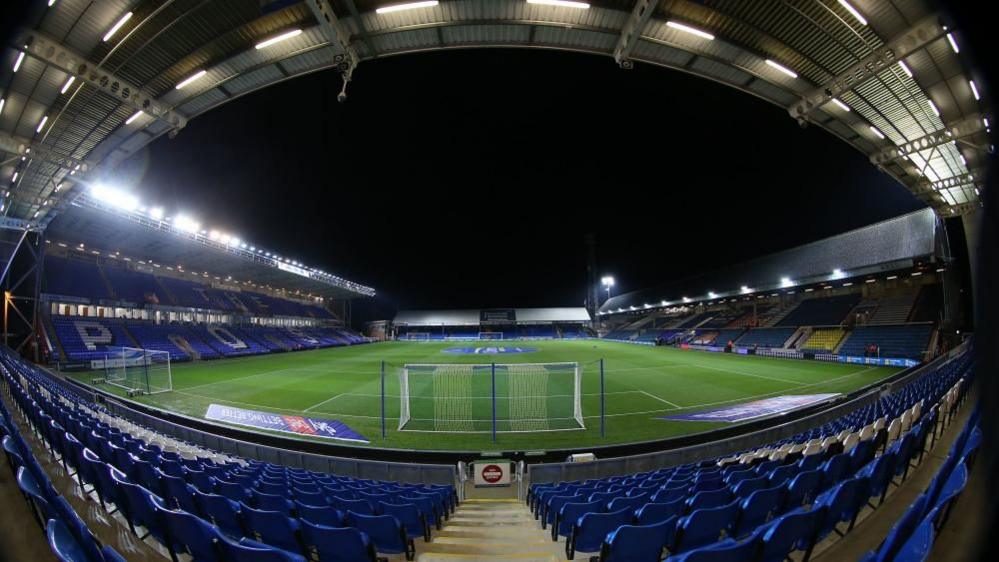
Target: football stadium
x=544, y=280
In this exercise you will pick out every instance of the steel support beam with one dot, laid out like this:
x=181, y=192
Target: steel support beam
x=632, y=31
x=336, y=33
x=957, y=130
x=49, y=50
x=920, y=35
x=36, y=151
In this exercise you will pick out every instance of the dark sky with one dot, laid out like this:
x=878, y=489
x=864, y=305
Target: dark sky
x=469, y=178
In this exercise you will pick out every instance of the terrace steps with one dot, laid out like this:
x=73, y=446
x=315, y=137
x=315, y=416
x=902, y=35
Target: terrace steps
x=491, y=530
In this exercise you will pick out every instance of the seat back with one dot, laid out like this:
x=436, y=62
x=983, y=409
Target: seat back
x=638, y=543
x=337, y=544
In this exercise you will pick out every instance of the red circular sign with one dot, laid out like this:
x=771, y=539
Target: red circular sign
x=492, y=473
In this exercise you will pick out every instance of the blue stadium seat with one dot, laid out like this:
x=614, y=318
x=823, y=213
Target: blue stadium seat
x=793, y=531
x=802, y=488
x=188, y=534
x=221, y=512
x=842, y=503
x=385, y=532
x=920, y=543
x=705, y=526
x=903, y=529
x=633, y=543
x=569, y=513
x=274, y=528
x=137, y=507
x=63, y=544
x=727, y=550
x=410, y=517
x=319, y=514
x=589, y=530
x=655, y=512
x=251, y=551
x=337, y=544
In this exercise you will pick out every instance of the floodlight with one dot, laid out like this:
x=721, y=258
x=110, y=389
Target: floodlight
x=115, y=197
x=406, y=6
x=685, y=299
x=786, y=282
x=953, y=42
x=114, y=29
x=691, y=30
x=974, y=89
x=853, y=12
x=561, y=4
x=277, y=39
x=67, y=84
x=186, y=224
x=607, y=281
x=782, y=68
x=133, y=117
x=876, y=132
x=712, y=295
x=745, y=290
x=156, y=213
x=841, y=105
x=41, y=124
x=4, y=100
x=905, y=69
x=17, y=63
x=190, y=79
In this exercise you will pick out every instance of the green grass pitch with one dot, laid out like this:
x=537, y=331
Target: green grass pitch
x=641, y=384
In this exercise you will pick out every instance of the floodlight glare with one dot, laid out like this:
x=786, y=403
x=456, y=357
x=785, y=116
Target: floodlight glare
x=685, y=299
x=115, y=197
x=607, y=281
x=786, y=282
x=277, y=39
x=562, y=4
x=186, y=224
x=838, y=273
x=712, y=295
x=114, y=29
x=745, y=290
x=156, y=213
x=406, y=6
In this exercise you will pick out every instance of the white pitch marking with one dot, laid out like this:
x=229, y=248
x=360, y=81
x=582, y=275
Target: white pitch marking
x=663, y=400
x=334, y=397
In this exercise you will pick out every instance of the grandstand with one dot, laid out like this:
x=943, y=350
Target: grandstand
x=816, y=403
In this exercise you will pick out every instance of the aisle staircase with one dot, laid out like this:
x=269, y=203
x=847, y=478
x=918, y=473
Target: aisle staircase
x=491, y=529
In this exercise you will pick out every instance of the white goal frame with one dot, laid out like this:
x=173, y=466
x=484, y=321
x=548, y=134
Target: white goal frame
x=409, y=336
x=123, y=366
x=405, y=414
x=487, y=336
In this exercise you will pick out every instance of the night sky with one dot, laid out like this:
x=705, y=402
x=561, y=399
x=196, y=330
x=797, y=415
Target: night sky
x=469, y=178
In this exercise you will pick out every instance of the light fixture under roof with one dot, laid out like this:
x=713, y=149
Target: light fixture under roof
x=933, y=107
x=18, y=61
x=277, y=39
x=562, y=4
x=953, y=42
x=840, y=104
x=114, y=28
x=853, y=12
x=190, y=79
x=974, y=89
x=782, y=68
x=133, y=117
x=876, y=132
x=41, y=124
x=905, y=69
x=68, y=83
x=4, y=101
x=406, y=6
x=688, y=29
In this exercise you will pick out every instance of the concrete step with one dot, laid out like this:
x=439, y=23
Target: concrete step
x=487, y=522
x=467, y=557
x=505, y=541
x=485, y=532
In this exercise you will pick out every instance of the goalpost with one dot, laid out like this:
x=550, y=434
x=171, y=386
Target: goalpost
x=484, y=398
x=490, y=335
x=138, y=371
x=417, y=336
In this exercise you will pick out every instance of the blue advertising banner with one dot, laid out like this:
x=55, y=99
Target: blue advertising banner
x=755, y=409
x=329, y=429
x=879, y=361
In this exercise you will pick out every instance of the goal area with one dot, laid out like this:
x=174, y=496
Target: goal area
x=138, y=371
x=490, y=335
x=484, y=398
x=416, y=336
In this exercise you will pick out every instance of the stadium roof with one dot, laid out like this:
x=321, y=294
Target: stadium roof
x=119, y=233
x=85, y=84
x=475, y=316
x=889, y=246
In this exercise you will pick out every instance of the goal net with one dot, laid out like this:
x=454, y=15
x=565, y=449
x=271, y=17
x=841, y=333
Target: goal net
x=470, y=398
x=490, y=335
x=417, y=336
x=139, y=371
